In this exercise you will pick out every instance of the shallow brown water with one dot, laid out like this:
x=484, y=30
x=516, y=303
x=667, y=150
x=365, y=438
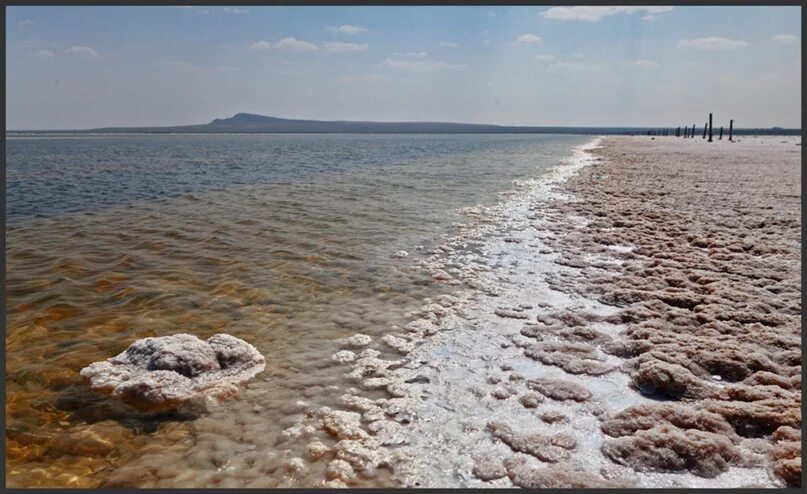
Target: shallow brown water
x=289, y=266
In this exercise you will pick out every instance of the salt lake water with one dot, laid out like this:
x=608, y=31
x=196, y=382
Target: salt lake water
x=286, y=241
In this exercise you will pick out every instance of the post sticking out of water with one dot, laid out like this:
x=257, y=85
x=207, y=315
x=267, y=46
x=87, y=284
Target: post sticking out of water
x=704, y=130
x=731, y=128
x=721, y=134
x=710, y=127
x=678, y=132
x=692, y=135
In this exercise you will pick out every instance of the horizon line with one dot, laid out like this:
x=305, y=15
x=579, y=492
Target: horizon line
x=503, y=126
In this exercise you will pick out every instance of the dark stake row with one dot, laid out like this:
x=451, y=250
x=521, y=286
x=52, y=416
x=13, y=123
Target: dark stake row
x=690, y=132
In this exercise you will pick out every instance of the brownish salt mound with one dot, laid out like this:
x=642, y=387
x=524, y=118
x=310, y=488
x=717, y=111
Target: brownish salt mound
x=169, y=372
x=787, y=455
x=550, y=449
x=670, y=449
x=559, y=389
x=670, y=438
x=557, y=476
x=574, y=358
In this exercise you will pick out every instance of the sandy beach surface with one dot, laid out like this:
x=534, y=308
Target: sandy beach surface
x=633, y=319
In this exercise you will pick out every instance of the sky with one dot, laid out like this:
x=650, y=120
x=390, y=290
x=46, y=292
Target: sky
x=85, y=67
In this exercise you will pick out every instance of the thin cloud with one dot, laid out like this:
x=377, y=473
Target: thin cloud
x=339, y=47
x=544, y=56
x=786, y=39
x=596, y=14
x=294, y=44
x=43, y=54
x=26, y=22
x=420, y=65
x=261, y=45
x=526, y=39
x=83, y=52
x=349, y=29
x=235, y=10
x=712, y=43
x=450, y=44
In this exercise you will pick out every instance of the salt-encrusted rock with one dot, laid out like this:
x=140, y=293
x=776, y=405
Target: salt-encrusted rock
x=297, y=431
x=787, y=455
x=170, y=372
x=402, y=345
x=440, y=275
x=334, y=484
x=400, y=254
x=375, y=383
x=317, y=450
x=549, y=449
x=343, y=357
x=364, y=456
x=358, y=340
x=396, y=391
x=559, y=389
x=342, y=424
x=552, y=417
x=368, y=353
x=500, y=393
x=559, y=476
x=487, y=470
x=339, y=470
x=531, y=400
x=294, y=464
x=359, y=403
x=507, y=313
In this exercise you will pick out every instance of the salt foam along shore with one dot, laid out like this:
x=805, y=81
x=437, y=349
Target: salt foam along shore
x=507, y=383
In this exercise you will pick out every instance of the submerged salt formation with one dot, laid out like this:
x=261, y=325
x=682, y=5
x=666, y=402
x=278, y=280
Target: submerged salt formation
x=170, y=372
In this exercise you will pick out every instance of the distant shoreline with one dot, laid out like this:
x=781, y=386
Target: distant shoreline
x=247, y=123
x=582, y=131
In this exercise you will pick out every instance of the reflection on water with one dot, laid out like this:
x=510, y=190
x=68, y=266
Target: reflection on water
x=284, y=241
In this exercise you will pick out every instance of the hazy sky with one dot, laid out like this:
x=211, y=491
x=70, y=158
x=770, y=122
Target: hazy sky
x=80, y=67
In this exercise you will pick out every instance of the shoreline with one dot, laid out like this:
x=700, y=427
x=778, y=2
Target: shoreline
x=492, y=398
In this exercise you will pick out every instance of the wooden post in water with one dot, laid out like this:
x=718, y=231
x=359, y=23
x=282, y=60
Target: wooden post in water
x=692, y=135
x=704, y=130
x=731, y=128
x=721, y=134
x=678, y=132
x=710, y=127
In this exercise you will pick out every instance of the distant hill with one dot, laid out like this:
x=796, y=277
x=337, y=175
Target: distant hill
x=260, y=124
